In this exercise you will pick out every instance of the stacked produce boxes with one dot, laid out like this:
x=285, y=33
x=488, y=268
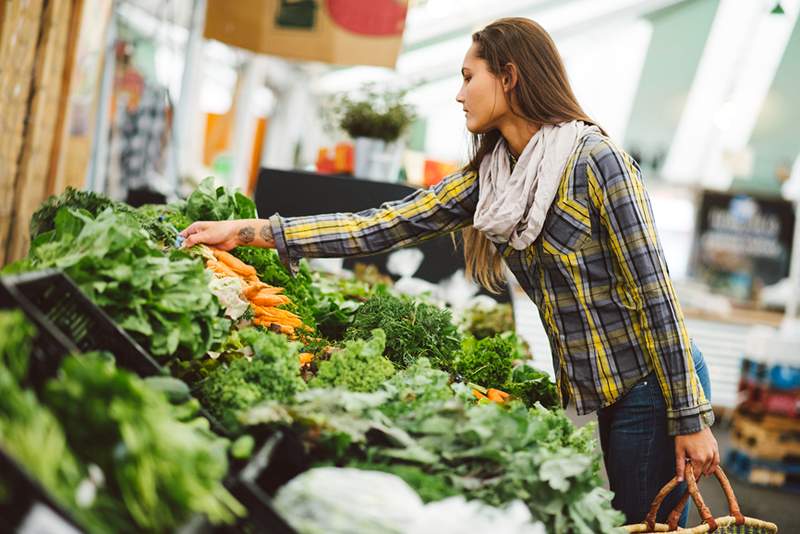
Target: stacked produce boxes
x=766, y=425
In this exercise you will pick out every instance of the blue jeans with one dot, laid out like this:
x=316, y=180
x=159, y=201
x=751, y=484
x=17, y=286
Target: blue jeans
x=638, y=453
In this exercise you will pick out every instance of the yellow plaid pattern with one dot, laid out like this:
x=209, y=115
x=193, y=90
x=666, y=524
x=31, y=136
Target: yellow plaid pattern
x=596, y=273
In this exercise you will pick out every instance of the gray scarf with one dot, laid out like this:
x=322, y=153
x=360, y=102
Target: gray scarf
x=512, y=205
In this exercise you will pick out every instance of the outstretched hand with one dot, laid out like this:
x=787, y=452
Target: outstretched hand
x=226, y=235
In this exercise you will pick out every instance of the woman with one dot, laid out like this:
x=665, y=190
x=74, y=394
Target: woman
x=549, y=195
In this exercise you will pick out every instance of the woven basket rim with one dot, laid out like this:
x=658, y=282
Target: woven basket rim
x=723, y=521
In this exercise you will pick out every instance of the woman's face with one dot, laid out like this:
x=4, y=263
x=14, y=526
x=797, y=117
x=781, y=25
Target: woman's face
x=481, y=94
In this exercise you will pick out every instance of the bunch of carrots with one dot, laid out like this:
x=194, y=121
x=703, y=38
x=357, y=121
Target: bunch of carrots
x=492, y=394
x=263, y=298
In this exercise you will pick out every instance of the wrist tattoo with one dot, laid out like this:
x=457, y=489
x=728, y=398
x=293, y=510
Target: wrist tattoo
x=266, y=233
x=247, y=234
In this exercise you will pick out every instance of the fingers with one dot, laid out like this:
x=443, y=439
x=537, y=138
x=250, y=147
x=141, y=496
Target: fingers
x=680, y=462
x=194, y=228
x=195, y=239
x=714, y=462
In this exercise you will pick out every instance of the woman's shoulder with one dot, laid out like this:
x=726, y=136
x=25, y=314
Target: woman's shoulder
x=604, y=156
x=596, y=146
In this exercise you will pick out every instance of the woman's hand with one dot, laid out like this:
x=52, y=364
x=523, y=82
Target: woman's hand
x=701, y=448
x=226, y=235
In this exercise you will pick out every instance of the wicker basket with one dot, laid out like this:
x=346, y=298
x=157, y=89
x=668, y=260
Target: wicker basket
x=734, y=523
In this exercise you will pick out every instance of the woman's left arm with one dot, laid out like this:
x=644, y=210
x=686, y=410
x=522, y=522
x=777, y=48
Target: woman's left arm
x=616, y=186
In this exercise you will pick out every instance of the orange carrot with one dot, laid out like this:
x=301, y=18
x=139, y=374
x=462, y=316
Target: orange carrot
x=306, y=358
x=270, y=300
x=494, y=395
x=478, y=395
x=498, y=392
x=234, y=263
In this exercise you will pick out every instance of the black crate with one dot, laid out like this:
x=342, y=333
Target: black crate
x=52, y=297
x=24, y=497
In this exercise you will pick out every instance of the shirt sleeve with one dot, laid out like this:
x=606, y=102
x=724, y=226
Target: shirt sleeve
x=626, y=213
x=424, y=214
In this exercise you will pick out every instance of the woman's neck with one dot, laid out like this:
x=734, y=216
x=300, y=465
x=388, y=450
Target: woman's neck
x=517, y=132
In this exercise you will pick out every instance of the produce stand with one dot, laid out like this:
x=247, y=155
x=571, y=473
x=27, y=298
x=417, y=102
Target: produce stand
x=316, y=381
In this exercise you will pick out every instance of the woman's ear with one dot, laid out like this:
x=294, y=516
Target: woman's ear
x=510, y=77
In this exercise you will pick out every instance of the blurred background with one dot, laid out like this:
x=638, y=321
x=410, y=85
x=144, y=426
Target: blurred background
x=312, y=105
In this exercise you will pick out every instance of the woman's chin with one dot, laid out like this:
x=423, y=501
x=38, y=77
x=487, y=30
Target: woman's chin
x=476, y=128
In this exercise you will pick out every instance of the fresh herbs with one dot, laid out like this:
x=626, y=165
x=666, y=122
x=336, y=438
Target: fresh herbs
x=359, y=366
x=416, y=330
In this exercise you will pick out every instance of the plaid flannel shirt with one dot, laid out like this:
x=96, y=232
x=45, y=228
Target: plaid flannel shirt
x=596, y=273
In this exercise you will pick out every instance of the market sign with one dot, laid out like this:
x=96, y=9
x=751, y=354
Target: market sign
x=743, y=243
x=343, y=32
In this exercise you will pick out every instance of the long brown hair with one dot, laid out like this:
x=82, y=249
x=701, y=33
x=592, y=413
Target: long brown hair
x=543, y=95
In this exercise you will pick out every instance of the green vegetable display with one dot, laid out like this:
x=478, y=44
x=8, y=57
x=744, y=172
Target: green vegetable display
x=211, y=203
x=162, y=299
x=163, y=470
x=484, y=451
x=416, y=329
x=359, y=366
x=273, y=373
x=122, y=461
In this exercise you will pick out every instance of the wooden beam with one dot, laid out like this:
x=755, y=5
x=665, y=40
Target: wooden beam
x=19, y=39
x=31, y=182
x=66, y=86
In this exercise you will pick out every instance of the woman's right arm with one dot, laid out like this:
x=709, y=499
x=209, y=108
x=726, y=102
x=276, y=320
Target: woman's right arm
x=422, y=215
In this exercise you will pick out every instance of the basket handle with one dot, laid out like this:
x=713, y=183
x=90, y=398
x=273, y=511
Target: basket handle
x=694, y=492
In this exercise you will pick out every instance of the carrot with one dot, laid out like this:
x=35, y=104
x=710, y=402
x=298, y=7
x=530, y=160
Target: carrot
x=272, y=315
x=498, y=393
x=234, y=263
x=478, y=395
x=495, y=396
x=306, y=358
x=270, y=300
x=253, y=289
x=268, y=290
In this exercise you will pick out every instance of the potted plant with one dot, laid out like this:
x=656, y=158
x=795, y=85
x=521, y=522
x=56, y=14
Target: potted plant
x=376, y=121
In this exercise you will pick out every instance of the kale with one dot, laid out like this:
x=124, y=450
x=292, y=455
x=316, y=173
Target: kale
x=273, y=373
x=487, y=362
x=359, y=366
x=416, y=329
x=531, y=385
